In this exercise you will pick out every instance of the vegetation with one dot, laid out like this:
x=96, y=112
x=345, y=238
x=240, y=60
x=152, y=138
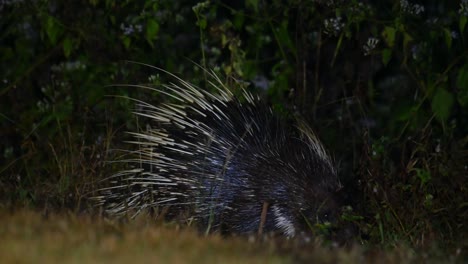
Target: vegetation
x=28, y=236
x=384, y=84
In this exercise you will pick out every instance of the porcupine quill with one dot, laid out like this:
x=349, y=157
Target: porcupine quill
x=230, y=161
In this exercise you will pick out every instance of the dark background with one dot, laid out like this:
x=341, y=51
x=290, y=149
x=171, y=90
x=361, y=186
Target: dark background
x=393, y=112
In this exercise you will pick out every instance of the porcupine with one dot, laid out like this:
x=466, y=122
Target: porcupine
x=229, y=160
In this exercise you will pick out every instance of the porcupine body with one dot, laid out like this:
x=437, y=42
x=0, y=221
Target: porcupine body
x=229, y=160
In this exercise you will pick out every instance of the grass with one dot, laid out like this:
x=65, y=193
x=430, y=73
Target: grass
x=30, y=236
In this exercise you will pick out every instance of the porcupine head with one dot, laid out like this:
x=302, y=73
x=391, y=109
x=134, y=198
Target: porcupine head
x=281, y=168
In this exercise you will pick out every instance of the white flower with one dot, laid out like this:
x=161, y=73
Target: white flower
x=370, y=45
x=333, y=26
x=413, y=9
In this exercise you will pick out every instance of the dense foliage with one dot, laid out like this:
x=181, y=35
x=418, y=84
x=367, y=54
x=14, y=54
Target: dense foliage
x=384, y=84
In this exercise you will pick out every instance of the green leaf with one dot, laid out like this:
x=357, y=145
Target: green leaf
x=238, y=20
x=462, y=85
x=202, y=23
x=283, y=37
x=388, y=35
x=67, y=46
x=224, y=40
x=423, y=175
x=152, y=29
x=406, y=39
x=253, y=3
x=448, y=37
x=386, y=56
x=52, y=29
x=127, y=42
x=442, y=103
x=405, y=112
x=463, y=20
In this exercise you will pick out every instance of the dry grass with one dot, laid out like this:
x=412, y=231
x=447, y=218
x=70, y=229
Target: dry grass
x=33, y=237
x=29, y=237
